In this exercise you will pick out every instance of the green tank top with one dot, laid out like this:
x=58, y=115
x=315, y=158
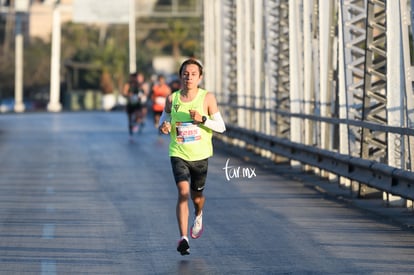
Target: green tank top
x=189, y=141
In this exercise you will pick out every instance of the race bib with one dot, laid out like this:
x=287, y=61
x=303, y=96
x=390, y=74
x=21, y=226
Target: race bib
x=143, y=98
x=159, y=100
x=187, y=132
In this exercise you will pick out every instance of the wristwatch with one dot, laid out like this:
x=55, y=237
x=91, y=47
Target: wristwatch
x=204, y=119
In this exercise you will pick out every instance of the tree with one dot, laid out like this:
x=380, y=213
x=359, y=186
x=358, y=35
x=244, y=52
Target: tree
x=174, y=36
x=103, y=50
x=106, y=50
x=182, y=36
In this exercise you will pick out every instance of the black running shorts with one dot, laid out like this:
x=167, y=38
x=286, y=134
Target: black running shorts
x=194, y=172
x=132, y=107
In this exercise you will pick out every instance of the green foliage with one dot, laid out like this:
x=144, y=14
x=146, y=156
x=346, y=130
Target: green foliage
x=37, y=63
x=101, y=49
x=178, y=36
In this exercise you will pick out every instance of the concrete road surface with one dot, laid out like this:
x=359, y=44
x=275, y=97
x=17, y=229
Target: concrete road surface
x=76, y=197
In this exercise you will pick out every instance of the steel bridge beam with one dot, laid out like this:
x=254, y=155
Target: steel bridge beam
x=310, y=63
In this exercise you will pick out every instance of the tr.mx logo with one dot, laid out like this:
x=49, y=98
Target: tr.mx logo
x=235, y=172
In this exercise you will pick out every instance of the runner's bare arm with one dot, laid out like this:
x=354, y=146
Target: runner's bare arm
x=125, y=89
x=164, y=125
x=168, y=104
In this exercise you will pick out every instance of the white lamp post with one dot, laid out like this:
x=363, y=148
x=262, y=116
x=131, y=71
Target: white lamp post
x=54, y=102
x=20, y=7
x=132, y=37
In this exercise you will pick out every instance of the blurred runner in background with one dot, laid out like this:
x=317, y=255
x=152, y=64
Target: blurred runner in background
x=136, y=92
x=160, y=91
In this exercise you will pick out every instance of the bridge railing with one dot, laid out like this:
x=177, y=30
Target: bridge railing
x=374, y=174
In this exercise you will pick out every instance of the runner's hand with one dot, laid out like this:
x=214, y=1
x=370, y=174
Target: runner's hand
x=195, y=116
x=165, y=128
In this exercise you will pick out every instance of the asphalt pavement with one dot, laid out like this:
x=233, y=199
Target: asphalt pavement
x=77, y=197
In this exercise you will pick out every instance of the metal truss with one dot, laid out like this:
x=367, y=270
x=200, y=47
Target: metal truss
x=230, y=58
x=283, y=73
x=353, y=14
x=374, y=143
x=407, y=28
x=372, y=88
x=271, y=56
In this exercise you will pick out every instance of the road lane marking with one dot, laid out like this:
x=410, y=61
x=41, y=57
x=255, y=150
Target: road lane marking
x=50, y=190
x=48, y=267
x=50, y=208
x=48, y=231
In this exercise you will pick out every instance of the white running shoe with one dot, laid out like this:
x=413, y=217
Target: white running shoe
x=197, y=228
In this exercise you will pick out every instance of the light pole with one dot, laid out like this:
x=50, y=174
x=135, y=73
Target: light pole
x=20, y=7
x=54, y=102
x=132, y=37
